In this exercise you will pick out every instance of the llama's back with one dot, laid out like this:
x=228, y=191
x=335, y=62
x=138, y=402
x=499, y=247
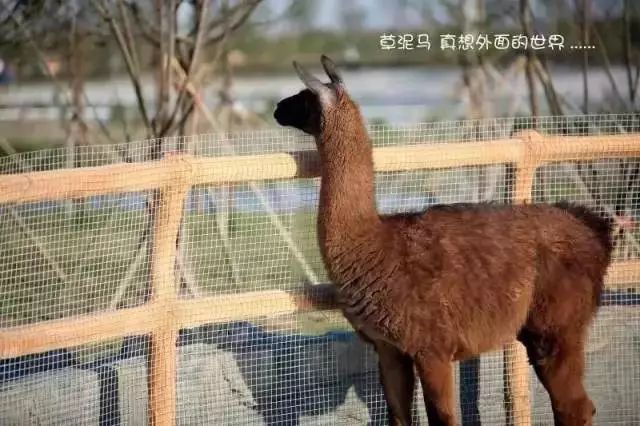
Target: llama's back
x=574, y=237
x=572, y=232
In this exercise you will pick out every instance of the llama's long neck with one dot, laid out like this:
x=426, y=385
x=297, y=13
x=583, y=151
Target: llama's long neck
x=347, y=210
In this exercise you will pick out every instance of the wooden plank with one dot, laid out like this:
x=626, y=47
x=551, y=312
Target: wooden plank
x=515, y=363
x=74, y=331
x=100, y=326
x=69, y=184
x=242, y=306
x=525, y=175
x=162, y=377
x=235, y=169
x=305, y=164
x=118, y=178
x=162, y=374
x=445, y=155
x=516, y=380
x=553, y=148
x=236, y=307
x=623, y=274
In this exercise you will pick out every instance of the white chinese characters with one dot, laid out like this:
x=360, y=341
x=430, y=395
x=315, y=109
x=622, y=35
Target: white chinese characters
x=466, y=42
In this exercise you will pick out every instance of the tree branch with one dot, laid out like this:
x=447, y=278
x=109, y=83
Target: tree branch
x=584, y=24
x=229, y=28
x=525, y=20
x=607, y=65
x=549, y=90
x=129, y=36
x=201, y=9
x=42, y=61
x=148, y=31
x=12, y=13
x=131, y=70
x=626, y=53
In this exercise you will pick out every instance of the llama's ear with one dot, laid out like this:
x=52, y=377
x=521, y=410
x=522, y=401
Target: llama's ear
x=331, y=69
x=324, y=93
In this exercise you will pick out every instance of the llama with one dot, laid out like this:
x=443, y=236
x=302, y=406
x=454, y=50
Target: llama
x=426, y=289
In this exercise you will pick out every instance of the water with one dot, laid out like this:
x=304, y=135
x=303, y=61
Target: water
x=282, y=198
x=397, y=95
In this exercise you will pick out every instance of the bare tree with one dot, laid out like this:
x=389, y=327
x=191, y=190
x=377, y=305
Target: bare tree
x=210, y=23
x=174, y=101
x=585, y=9
x=633, y=75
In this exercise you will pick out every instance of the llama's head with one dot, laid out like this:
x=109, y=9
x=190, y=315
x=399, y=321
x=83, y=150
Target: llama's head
x=321, y=105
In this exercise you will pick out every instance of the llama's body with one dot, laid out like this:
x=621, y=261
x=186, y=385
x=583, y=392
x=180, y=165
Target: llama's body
x=453, y=282
x=464, y=279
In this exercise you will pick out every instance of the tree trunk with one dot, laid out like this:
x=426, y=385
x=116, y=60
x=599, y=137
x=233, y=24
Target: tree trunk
x=525, y=20
x=584, y=26
x=77, y=128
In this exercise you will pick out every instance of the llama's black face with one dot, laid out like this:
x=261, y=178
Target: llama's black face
x=301, y=111
x=306, y=110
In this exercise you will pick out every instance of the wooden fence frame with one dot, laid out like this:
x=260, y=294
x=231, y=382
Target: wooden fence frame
x=165, y=314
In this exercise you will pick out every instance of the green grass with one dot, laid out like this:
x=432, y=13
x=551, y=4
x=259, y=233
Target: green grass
x=256, y=248
x=94, y=249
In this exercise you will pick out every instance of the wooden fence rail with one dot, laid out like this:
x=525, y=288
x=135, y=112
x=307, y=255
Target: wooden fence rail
x=172, y=177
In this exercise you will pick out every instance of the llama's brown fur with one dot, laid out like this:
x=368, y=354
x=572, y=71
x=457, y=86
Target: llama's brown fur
x=447, y=284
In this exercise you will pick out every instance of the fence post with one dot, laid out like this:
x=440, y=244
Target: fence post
x=516, y=365
x=162, y=364
x=516, y=381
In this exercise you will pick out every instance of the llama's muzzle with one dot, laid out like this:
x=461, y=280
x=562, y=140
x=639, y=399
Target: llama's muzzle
x=280, y=116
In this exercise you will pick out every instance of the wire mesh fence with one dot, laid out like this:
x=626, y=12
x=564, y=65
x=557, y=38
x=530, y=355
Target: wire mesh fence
x=135, y=266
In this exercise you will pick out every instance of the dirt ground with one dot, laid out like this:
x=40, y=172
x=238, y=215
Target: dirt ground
x=240, y=373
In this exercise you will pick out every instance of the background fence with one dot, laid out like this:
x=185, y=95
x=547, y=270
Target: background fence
x=178, y=290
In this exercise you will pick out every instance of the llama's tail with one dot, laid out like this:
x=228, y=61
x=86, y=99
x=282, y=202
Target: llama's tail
x=599, y=221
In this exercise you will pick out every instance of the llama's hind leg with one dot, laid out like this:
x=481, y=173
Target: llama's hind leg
x=559, y=364
x=436, y=377
x=398, y=381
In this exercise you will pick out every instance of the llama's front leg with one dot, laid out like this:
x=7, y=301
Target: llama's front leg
x=436, y=377
x=398, y=381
